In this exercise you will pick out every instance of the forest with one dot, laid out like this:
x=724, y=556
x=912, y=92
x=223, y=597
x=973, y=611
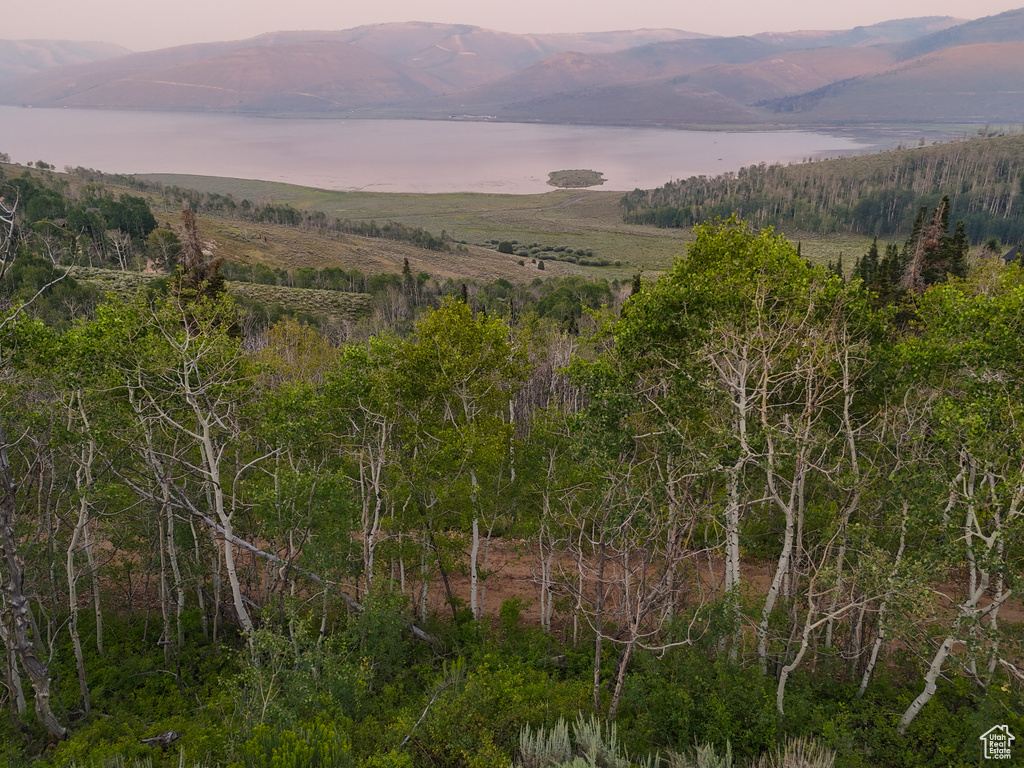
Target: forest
x=754, y=512
x=875, y=195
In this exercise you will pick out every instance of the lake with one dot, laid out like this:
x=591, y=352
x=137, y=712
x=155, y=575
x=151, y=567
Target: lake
x=394, y=155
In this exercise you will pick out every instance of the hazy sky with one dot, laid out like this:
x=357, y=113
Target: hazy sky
x=146, y=24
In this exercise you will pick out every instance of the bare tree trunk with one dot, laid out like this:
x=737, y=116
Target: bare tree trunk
x=934, y=670
x=179, y=583
x=15, y=690
x=424, y=578
x=880, y=636
x=598, y=624
x=215, y=573
x=165, y=593
x=18, y=602
x=83, y=483
x=620, y=679
x=474, y=553
x=72, y=576
x=94, y=575
x=203, y=623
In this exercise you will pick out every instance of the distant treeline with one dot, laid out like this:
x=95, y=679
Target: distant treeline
x=878, y=194
x=275, y=213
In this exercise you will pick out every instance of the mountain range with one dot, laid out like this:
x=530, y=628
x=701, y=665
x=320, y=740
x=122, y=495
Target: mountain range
x=929, y=69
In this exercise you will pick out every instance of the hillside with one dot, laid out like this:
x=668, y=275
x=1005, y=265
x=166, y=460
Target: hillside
x=790, y=73
x=966, y=84
x=24, y=57
x=1000, y=28
x=303, y=77
x=870, y=195
x=894, y=31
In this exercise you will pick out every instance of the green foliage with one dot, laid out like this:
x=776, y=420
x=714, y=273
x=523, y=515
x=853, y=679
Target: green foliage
x=313, y=745
x=688, y=698
x=484, y=716
x=876, y=195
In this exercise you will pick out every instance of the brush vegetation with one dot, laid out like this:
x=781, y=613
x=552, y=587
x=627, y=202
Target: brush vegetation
x=575, y=179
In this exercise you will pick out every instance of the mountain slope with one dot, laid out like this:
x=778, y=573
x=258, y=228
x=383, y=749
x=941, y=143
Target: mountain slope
x=1001, y=28
x=965, y=84
x=910, y=70
x=791, y=73
x=536, y=92
x=24, y=57
x=303, y=77
x=894, y=31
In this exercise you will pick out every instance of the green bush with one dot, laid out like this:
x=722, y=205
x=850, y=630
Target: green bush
x=317, y=745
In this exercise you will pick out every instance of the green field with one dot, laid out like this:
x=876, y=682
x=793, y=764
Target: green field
x=573, y=218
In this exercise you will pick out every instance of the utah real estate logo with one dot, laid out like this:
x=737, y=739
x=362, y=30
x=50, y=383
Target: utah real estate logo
x=997, y=742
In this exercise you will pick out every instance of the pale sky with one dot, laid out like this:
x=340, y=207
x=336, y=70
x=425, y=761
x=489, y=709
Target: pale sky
x=148, y=24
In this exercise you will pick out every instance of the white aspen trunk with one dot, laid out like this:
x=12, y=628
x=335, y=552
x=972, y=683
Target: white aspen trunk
x=370, y=481
x=934, y=670
x=967, y=610
x=165, y=593
x=17, y=604
x=83, y=480
x=14, y=687
x=401, y=564
x=76, y=641
x=215, y=579
x=997, y=519
x=473, y=555
x=620, y=678
x=851, y=443
x=545, y=556
x=232, y=571
x=179, y=583
x=788, y=669
x=738, y=384
x=424, y=577
x=487, y=556
x=474, y=551
x=212, y=459
x=598, y=624
x=543, y=578
x=880, y=638
x=97, y=604
x=782, y=567
x=805, y=639
x=549, y=602
x=203, y=623
x=578, y=610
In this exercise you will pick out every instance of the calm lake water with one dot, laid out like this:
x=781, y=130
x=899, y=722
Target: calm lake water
x=391, y=155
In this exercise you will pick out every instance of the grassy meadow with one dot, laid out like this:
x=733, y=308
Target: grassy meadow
x=580, y=219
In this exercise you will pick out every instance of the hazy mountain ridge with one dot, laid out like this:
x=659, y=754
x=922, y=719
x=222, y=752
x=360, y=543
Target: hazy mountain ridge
x=900, y=70
x=970, y=83
x=23, y=57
